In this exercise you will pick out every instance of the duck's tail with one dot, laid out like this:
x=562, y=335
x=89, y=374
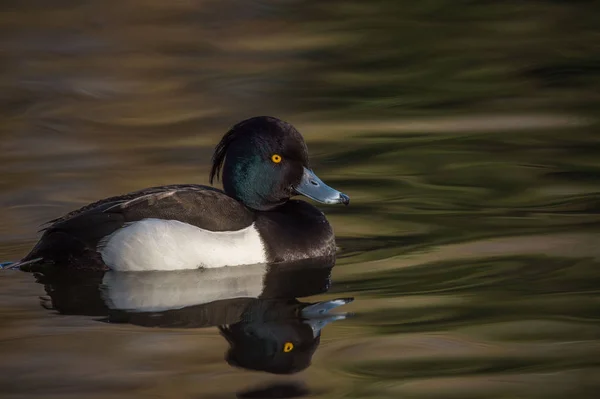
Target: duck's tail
x=18, y=265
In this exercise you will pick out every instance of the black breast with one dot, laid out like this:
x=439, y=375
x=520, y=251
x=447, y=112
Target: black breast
x=296, y=230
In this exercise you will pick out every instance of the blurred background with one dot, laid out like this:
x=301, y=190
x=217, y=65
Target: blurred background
x=464, y=131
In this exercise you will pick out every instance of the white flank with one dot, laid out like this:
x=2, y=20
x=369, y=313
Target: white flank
x=158, y=291
x=157, y=244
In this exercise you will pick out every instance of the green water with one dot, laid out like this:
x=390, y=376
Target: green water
x=464, y=133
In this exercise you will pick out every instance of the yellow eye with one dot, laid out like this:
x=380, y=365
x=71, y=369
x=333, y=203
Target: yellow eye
x=276, y=158
x=288, y=347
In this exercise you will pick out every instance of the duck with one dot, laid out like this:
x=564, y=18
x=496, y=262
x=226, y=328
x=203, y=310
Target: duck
x=256, y=309
x=178, y=294
x=262, y=162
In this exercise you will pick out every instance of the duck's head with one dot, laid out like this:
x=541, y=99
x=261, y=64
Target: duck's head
x=279, y=336
x=264, y=162
x=278, y=347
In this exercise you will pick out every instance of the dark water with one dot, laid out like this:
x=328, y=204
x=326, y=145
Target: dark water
x=464, y=132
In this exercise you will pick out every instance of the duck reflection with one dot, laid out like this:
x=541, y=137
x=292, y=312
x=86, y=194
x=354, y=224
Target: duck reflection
x=255, y=308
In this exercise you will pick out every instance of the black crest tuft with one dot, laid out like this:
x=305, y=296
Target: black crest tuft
x=220, y=150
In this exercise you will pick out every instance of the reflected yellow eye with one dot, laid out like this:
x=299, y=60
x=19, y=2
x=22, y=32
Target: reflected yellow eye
x=288, y=347
x=276, y=158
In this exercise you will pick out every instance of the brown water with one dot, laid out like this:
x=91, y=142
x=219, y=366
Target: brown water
x=464, y=133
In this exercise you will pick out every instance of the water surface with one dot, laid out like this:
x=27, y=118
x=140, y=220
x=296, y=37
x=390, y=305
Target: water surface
x=464, y=133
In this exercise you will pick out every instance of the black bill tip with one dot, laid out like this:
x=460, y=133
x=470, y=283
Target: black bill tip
x=344, y=199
